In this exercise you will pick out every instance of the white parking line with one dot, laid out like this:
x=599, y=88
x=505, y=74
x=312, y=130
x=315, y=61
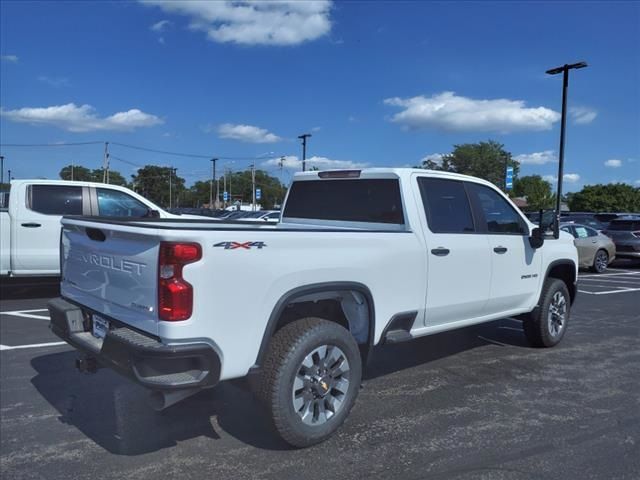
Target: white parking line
x=622, y=290
x=28, y=313
x=612, y=280
x=34, y=345
x=608, y=274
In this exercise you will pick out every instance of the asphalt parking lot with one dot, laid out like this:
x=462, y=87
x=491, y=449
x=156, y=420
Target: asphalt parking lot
x=473, y=403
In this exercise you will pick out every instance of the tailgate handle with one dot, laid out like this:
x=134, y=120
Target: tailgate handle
x=96, y=234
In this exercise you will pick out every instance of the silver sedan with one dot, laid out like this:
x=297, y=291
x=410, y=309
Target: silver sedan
x=595, y=250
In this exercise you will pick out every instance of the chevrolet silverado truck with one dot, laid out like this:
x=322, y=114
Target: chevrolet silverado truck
x=30, y=223
x=360, y=258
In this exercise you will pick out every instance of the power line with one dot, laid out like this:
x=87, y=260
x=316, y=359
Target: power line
x=164, y=152
x=61, y=144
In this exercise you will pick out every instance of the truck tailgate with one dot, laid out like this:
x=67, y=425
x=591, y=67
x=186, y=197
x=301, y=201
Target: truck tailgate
x=112, y=270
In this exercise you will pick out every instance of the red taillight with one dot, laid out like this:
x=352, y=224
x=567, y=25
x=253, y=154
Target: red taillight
x=175, y=295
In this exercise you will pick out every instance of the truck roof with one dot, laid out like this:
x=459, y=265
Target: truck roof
x=381, y=172
x=63, y=182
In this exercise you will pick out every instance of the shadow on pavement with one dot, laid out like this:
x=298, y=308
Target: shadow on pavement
x=21, y=289
x=114, y=413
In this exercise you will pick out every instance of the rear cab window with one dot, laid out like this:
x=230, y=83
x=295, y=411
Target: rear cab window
x=55, y=199
x=364, y=200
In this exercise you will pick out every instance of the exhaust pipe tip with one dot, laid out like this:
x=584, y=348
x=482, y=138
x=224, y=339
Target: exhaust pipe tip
x=159, y=400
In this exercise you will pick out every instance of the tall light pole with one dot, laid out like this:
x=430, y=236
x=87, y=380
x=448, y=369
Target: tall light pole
x=1, y=170
x=304, y=137
x=213, y=179
x=565, y=86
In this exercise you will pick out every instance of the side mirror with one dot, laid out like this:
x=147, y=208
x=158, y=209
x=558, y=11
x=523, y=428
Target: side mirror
x=536, y=240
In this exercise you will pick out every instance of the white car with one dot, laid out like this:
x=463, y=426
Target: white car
x=30, y=225
x=361, y=257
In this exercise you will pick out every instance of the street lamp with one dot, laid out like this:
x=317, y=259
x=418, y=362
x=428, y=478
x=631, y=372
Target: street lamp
x=304, y=137
x=213, y=179
x=565, y=85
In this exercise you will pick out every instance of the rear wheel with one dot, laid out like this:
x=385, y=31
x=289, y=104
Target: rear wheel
x=600, y=261
x=547, y=323
x=312, y=375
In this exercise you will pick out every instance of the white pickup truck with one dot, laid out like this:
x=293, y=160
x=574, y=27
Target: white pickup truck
x=30, y=225
x=360, y=257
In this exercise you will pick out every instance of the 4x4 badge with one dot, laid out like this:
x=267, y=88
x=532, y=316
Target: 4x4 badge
x=240, y=245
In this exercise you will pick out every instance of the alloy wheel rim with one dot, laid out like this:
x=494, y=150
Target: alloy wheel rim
x=320, y=385
x=556, y=318
x=601, y=261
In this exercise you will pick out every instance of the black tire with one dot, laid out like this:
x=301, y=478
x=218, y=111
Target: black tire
x=289, y=347
x=600, y=264
x=540, y=327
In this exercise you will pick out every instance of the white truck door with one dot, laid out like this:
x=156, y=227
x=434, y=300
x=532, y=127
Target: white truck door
x=36, y=236
x=515, y=265
x=458, y=260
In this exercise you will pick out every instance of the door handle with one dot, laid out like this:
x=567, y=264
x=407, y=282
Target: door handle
x=31, y=225
x=500, y=250
x=440, y=251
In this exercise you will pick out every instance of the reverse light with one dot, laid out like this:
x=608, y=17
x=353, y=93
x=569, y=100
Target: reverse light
x=175, y=294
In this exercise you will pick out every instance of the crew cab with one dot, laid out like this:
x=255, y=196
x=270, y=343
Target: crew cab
x=360, y=258
x=30, y=224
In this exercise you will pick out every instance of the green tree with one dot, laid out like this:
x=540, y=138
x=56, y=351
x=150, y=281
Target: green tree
x=611, y=197
x=484, y=160
x=79, y=173
x=536, y=190
x=76, y=172
x=152, y=182
x=240, y=187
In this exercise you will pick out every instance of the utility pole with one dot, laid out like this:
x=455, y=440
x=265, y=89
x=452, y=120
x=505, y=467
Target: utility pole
x=224, y=201
x=253, y=186
x=170, y=175
x=1, y=170
x=565, y=86
x=304, y=137
x=213, y=179
x=9, y=172
x=105, y=164
x=72, y=169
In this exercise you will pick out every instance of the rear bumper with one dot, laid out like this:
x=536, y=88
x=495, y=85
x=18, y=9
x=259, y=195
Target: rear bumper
x=140, y=357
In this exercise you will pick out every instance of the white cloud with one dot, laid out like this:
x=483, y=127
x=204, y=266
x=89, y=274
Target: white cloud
x=247, y=133
x=637, y=182
x=253, y=22
x=160, y=26
x=9, y=58
x=74, y=118
x=582, y=115
x=537, y=158
x=292, y=162
x=567, y=178
x=56, y=82
x=448, y=111
x=613, y=163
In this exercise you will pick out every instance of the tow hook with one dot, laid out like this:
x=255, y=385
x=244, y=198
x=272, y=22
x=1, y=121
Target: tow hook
x=87, y=364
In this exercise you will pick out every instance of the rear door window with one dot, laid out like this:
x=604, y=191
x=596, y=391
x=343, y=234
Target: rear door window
x=56, y=199
x=362, y=200
x=114, y=203
x=446, y=205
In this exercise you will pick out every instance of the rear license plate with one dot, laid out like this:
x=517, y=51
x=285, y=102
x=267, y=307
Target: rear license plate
x=100, y=326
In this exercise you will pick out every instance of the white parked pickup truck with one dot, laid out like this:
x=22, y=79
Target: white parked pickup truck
x=360, y=257
x=30, y=225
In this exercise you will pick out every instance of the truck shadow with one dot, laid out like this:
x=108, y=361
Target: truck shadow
x=22, y=289
x=114, y=413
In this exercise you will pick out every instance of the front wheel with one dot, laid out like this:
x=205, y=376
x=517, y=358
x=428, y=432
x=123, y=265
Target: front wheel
x=547, y=323
x=312, y=377
x=600, y=261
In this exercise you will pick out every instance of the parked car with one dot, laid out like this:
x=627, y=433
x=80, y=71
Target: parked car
x=30, y=225
x=360, y=258
x=595, y=250
x=272, y=216
x=587, y=219
x=625, y=233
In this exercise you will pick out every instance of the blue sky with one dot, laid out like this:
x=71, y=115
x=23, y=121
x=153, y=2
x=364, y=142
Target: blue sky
x=376, y=83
